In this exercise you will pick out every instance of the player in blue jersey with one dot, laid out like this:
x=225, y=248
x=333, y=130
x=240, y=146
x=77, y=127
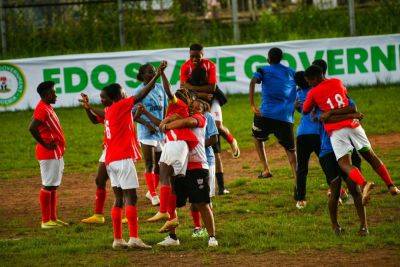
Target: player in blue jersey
x=308, y=140
x=275, y=115
x=151, y=139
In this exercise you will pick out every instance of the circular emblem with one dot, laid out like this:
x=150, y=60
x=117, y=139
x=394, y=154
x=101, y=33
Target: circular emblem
x=12, y=84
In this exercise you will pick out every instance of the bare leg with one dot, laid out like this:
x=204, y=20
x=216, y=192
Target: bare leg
x=208, y=217
x=356, y=194
x=260, y=148
x=333, y=204
x=291, y=154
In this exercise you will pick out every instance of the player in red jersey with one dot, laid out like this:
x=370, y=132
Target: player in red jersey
x=330, y=96
x=195, y=184
x=122, y=149
x=46, y=130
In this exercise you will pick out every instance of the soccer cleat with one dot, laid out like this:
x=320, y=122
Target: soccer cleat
x=159, y=216
x=223, y=192
x=49, y=224
x=95, y=218
x=394, y=190
x=301, y=204
x=168, y=242
x=119, y=244
x=363, y=231
x=124, y=220
x=235, y=149
x=148, y=195
x=338, y=230
x=349, y=200
x=155, y=201
x=169, y=225
x=61, y=223
x=137, y=243
x=199, y=232
x=212, y=242
x=366, y=192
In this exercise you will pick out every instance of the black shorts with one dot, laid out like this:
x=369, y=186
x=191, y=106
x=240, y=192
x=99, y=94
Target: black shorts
x=217, y=146
x=331, y=167
x=283, y=131
x=193, y=186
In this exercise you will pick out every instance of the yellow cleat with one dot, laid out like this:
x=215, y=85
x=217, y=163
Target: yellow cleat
x=124, y=220
x=366, y=191
x=169, y=225
x=96, y=218
x=61, y=223
x=159, y=216
x=49, y=224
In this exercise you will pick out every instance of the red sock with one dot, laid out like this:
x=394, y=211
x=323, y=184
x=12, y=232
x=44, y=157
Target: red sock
x=357, y=177
x=116, y=216
x=150, y=183
x=384, y=174
x=131, y=215
x=53, y=205
x=101, y=194
x=230, y=138
x=45, y=199
x=171, y=206
x=196, y=218
x=165, y=191
x=156, y=180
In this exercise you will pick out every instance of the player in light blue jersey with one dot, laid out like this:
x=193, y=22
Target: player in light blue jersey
x=150, y=137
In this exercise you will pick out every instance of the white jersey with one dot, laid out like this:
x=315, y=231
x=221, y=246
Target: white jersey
x=197, y=156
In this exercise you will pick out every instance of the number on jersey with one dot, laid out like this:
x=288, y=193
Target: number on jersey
x=108, y=132
x=339, y=101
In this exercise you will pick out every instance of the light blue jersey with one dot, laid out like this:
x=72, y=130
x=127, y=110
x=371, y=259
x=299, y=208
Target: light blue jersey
x=211, y=129
x=155, y=102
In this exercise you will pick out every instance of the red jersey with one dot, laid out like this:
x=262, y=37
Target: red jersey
x=177, y=106
x=197, y=156
x=209, y=66
x=330, y=94
x=49, y=130
x=121, y=142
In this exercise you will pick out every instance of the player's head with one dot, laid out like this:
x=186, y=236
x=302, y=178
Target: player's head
x=113, y=92
x=185, y=95
x=105, y=100
x=47, y=92
x=322, y=64
x=314, y=75
x=275, y=55
x=300, y=80
x=196, y=53
x=198, y=106
x=146, y=73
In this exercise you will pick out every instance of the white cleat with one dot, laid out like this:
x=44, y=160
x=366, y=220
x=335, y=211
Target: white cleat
x=148, y=195
x=119, y=244
x=155, y=201
x=169, y=242
x=212, y=242
x=137, y=243
x=301, y=204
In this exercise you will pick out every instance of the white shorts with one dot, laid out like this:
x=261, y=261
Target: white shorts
x=123, y=174
x=211, y=180
x=345, y=139
x=51, y=171
x=216, y=110
x=102, y=158
x=157, y=144
x=176, y=154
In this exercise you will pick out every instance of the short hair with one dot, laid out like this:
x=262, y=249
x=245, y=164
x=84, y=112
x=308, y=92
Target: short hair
x=322, y=64
x=313, y=72
x=44, y=87
x=206, y=106
x=113, y=91
x=196, y=47
x=275, y=55
x=139, y=76
x=300, y=80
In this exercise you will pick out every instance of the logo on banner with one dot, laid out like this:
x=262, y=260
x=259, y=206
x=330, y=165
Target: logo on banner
x=12, y=84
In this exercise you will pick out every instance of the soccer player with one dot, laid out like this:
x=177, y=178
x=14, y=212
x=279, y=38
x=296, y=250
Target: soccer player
x=330, y=96
x=275, y=115
x=46, y=130
x=194, y=78
x=121, y=152
x=211, y=136
x=308, y=139
x=195, y=185
x=150, y=137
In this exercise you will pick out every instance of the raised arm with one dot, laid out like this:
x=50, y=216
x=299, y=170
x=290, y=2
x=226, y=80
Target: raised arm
x=150, y=85
x=252, y=88
x=92, y=115
x=166, y=85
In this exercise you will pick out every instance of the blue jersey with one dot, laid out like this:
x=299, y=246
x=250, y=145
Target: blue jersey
x=326, y=145
x=211, y=129
x=278, y=92
x=309, y=124
x=155, y=102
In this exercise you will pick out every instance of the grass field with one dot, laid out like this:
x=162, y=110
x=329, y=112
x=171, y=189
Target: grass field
x=257, y=221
